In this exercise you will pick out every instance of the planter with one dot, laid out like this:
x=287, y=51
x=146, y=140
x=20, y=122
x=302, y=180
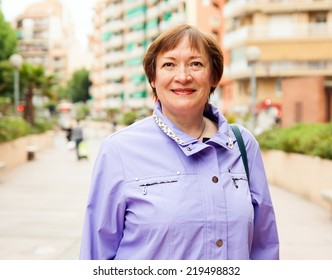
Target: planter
x=15, y=152
x=303, y=175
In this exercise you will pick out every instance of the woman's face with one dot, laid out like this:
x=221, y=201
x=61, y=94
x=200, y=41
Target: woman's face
x=183, y=80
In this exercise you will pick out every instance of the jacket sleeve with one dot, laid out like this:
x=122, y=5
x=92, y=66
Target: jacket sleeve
x=104, y=218
x=265, y=244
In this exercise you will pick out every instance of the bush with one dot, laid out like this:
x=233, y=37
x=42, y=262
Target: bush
x=12, y=128
x=129, y=118
x=41, y=125
x=308, y=139
x=15, y=127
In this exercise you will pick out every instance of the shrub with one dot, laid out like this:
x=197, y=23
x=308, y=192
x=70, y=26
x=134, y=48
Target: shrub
x=129, y=118
x=15, y=127
x=12, y=128
x=309, y=139
x=41, y=125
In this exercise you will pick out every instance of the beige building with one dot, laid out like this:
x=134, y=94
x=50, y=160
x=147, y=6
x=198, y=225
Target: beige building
x=46, y=37
x=123, y=30
x=294, y=64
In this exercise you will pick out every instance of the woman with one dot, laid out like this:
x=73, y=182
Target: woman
x=173, y=186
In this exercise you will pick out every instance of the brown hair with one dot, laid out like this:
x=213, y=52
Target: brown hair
x=198, y=40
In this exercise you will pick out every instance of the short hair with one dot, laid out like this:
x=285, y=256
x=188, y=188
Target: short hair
x=169, y=40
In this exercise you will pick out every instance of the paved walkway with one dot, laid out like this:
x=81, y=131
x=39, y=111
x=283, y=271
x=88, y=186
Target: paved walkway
x=42, y=205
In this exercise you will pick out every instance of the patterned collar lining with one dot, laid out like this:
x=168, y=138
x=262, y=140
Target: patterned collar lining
x=177, y=139
x=167, y=130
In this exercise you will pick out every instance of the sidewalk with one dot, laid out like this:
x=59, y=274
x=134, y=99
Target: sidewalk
x=42, y=205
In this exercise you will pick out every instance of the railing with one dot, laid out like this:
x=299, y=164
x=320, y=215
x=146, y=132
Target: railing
x=238, y=7
x=241, y=69
x=294, y=31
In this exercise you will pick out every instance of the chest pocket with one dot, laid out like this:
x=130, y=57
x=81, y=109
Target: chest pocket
x=239, y=181
x=157, y=182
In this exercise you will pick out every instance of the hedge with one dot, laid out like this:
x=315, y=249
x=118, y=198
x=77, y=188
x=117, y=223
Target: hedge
x=15, y=127
x=308, y=139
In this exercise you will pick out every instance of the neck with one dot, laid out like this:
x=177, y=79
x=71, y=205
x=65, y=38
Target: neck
x=204, y=126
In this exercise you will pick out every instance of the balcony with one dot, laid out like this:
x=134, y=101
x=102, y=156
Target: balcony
x=114, y=41
x=135, y=36
x=130, y=4
x=115, y=57
x=113, y=11
x=136, y=52
x=139, y=19
x=132, y=88
x=171, y=5
x=242, y=7
x=241, y=70
x=113, y=73
x=115, y=88
x=134, y=70
x=114, y=26
x=263, y=32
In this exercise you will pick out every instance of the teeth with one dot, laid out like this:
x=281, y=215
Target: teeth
x=183, y=90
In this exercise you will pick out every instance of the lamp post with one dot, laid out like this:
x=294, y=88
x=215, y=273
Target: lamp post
x=253, y=54
x=16, y=60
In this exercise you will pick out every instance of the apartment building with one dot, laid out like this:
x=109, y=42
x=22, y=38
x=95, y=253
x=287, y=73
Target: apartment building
x=123, y=29
x=293, y=67
x=44, y=37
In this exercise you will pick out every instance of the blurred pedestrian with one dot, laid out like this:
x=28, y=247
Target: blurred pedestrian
x=77, y=136
x=173, y=185
x=114, y=125
x=68, y=133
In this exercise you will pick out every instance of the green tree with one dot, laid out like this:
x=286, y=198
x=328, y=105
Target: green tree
x=33, y=79
x=78, y=86
x=6, y=79
x=8, y=40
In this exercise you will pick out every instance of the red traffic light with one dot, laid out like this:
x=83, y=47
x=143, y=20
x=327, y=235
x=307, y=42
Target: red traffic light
x=20, y=108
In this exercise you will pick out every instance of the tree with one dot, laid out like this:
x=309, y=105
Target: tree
x=7, y=48
x=34, y=78
x=8, y=40
x=78, y=86
x=6, y=79
x=6, y=87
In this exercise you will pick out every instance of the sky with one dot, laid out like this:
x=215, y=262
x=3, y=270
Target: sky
x=81, y=11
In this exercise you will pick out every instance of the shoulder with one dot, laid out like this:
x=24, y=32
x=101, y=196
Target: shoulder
x=131, y=134
x=248, y=138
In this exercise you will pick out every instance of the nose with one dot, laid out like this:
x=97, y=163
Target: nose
x=183, y=75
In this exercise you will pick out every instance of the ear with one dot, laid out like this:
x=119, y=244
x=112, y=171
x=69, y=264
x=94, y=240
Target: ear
x=152, y=84
x=214, y=83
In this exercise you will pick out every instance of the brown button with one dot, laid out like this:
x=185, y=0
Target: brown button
x=215, y=179
x=219, y=243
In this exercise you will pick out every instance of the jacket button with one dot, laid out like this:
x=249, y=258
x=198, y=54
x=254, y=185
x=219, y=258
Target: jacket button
x=219, y=243
x=215, y=179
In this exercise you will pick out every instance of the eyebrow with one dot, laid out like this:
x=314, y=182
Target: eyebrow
x=191, y=57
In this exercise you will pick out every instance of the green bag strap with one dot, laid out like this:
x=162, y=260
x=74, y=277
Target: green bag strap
x=242, y=148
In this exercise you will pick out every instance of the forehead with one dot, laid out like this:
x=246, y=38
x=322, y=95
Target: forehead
x=184, y=48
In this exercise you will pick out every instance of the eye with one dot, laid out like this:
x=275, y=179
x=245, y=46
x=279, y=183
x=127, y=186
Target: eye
x=196, y=64
x=168, y=65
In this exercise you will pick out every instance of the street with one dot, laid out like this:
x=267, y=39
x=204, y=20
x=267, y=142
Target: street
x=42, y=205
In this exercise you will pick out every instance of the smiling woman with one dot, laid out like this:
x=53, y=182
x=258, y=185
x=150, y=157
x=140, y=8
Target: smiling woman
x=173, y=185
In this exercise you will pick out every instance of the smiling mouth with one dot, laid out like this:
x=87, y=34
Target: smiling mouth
x=183, y=91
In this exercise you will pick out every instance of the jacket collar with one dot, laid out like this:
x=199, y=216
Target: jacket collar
x=186, y=142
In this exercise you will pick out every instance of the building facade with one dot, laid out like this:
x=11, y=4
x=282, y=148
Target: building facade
x=45, y=37
x=294, y=66
x=123, y=30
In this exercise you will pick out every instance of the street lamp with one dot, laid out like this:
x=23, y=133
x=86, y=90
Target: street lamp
x=16, y=60
x=253, y=54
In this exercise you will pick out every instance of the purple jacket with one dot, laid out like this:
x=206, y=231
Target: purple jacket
x=158, y=193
